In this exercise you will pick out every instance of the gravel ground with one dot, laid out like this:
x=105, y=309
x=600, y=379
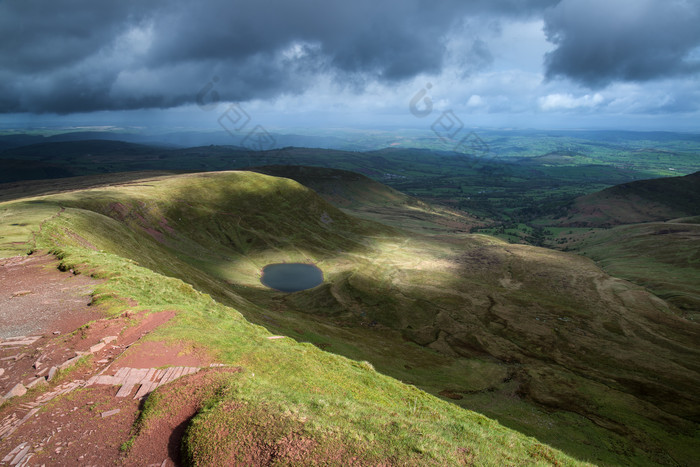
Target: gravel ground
x=36, y=298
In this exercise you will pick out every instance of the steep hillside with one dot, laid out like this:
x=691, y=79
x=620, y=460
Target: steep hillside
x=542, y=341
x=640, y=201
x=282, y=400
x=663, y=257
x=639, y=231
x=369, y=199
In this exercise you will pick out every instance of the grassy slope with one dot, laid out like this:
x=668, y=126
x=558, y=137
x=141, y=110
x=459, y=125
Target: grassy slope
x=366, y=198
x=661, y=256
x=669, y=265
x=532, y=337
x=26, y=189
x=639, y=201
x=344, y=406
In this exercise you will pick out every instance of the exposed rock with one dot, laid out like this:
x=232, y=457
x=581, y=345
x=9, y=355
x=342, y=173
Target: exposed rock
x=108, y=339
x=109, y=413
x=68, y=363
x=40, y=381
x=17, y=390
x=52, y=373
x=97, y=347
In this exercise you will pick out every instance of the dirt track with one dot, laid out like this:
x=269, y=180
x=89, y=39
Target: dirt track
x=53, y=424
x=36, y=298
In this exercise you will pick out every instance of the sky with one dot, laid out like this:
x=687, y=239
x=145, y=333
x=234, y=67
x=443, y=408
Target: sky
x=319, y=64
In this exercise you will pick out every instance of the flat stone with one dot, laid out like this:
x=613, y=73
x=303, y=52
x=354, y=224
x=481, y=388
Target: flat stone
x=52, y=373
x=149, y=375
x=105, y=379
x=20, y=456
x=41, y=381
x=17, y=390
x=13, y=453
x=68, y=363
x=18, y=343
x=108, y=339
x=19, y=340
x=97, y=347
x=109, y=413
x=2, y=371
x=125, y=390
x=168, y=373
x=145, y=389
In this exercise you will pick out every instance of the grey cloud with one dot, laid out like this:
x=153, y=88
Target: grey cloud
x=37, y=36
x=601, y=41
x=83, y=55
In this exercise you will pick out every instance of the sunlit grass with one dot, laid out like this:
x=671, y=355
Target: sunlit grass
x=196, y=244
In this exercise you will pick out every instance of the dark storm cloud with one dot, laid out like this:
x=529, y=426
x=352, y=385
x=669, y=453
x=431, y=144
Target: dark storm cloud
x=83, y=55
x=601, y=41
x=38, y=36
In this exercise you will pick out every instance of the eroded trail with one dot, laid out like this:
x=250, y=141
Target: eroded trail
x=37, y=298
x=71, y=380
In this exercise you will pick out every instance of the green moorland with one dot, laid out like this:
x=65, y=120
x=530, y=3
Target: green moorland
x=542, y=341
x=515, y=177
x=653, y=200
x=639, y=231
x=350, y=412
x=664, y=257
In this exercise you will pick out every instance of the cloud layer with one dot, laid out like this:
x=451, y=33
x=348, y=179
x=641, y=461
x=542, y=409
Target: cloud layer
x=601, y=41
x=82, y=56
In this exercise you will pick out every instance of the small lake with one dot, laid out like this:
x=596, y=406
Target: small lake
x=291, y=277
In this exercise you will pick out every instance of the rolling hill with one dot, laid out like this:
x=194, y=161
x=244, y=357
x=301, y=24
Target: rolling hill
x=663, y=257
x=542, y=341
x=639, y=201
x=643, y=232
x=361, y=196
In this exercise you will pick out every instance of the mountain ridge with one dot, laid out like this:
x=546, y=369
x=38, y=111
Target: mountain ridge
x=639, y=201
